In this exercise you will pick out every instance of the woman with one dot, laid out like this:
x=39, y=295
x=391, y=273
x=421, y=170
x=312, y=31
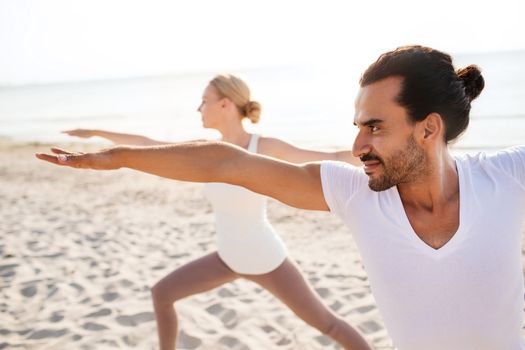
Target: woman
x=248, y=247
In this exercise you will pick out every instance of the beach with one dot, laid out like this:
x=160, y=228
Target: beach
x=80, y=251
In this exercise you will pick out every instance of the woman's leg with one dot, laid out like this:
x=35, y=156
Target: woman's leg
x=195, y=277
x=287, y=283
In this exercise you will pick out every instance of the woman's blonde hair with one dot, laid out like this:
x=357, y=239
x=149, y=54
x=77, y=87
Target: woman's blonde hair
x=237, y=91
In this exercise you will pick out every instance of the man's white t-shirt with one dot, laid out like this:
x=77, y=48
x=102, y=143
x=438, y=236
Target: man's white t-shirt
x=467, y=295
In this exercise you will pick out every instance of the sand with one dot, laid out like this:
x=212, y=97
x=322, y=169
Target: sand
x=80, y=251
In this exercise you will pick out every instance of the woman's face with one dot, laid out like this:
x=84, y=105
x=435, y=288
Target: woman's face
x=211, y=108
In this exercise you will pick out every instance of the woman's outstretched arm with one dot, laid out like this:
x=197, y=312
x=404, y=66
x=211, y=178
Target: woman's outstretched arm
x=115, y=137
x=201, y=161
x=283, y=150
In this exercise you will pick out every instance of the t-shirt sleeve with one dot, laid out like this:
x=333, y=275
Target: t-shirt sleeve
x=340, y=182
x=512, y=162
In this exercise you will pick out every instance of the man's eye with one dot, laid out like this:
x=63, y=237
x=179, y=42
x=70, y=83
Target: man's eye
x=374, y=128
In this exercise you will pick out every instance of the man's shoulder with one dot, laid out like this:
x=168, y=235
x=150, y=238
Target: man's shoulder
x=342, y=180
x=508, y=163
x=487, y=157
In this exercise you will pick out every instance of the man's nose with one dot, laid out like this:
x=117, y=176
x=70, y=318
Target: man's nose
x=361, y=146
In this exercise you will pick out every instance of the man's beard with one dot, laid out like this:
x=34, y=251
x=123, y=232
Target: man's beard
x=404, y=166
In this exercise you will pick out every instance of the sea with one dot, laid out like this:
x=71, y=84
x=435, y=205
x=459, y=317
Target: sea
x=308, y=105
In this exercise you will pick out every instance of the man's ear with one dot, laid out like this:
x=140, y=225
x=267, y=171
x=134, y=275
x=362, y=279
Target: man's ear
x=432, y=127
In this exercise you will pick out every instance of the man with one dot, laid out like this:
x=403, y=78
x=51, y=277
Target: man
x=439, y=236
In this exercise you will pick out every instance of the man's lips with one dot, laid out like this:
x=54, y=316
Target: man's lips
x=371, y=165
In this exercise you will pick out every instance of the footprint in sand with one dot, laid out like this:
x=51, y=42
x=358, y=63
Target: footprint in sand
x=130, y=341
x=47, y=333
x=336, y=305
x=110, y=296
x=177, y=256
x=233, y=343
x=323, y=292
x=134, y=320
x=28, y=291
x=283, y=340
x=268, y=329
x=225, y=293
x=92, y=326
x=100, y=313
x=77, y=287
x=364, y=309
x=24, y=332
x=369, y=327
x=313, y=280
x=126, y=283
x=324, y=340
x=358, y=295
x=227, y=316
x=8, y=270
x=51, y=290
x=56, y=316
x=186, y=341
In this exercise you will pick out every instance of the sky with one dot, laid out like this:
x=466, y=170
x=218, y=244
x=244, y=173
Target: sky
x=47, y=41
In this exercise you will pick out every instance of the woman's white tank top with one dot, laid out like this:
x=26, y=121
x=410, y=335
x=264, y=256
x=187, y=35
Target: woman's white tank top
x=246, y=241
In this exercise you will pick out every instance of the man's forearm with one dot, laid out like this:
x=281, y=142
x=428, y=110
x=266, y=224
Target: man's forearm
x=196, y=161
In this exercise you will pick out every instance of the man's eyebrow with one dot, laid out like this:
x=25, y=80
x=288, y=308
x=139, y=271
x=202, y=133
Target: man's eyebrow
x=370, y=122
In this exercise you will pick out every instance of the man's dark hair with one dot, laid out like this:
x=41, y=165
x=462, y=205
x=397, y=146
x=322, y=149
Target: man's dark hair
x=430, y=84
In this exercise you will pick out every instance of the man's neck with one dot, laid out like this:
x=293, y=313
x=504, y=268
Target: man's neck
x=434, y=190
x=431, y=203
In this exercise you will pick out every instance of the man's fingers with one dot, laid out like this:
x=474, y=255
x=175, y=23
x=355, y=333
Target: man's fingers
x=47, y=158
x=66, y=159
x=61, y=159
x=97, y=160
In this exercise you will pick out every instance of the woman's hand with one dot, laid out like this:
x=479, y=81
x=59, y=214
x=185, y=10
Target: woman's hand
x=82, y=133
x=102, y=160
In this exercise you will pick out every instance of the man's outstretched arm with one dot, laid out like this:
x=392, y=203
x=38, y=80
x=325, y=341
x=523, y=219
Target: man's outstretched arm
x=296, y=185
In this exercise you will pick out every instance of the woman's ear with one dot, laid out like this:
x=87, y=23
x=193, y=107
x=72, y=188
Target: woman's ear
x=225, y=102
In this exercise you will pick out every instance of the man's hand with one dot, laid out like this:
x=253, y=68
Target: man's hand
x=101, y=160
